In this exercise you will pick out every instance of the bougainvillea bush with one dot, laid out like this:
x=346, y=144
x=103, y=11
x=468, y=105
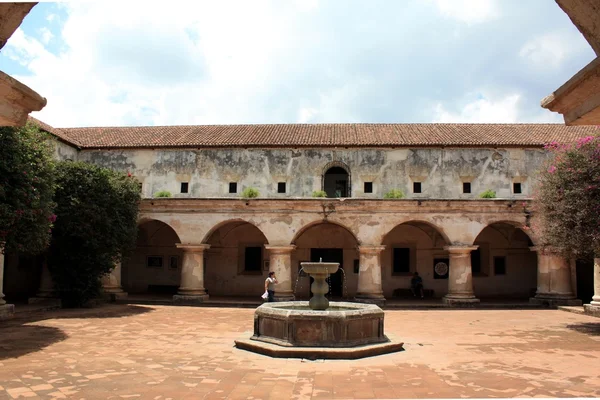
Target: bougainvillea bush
x=26, y=189
x=96, y=225
x=567, y=200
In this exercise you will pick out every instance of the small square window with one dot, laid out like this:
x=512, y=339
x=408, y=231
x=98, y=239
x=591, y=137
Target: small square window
x=466, y=187
x=184, y=187
x=140, y=185
x=281, y=187
x=416, y=187
x=499, y=265
x=517, y=188
x=368, y=187
x=232, y=187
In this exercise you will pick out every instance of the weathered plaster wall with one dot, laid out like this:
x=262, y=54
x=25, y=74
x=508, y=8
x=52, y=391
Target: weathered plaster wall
x=441, y=171
x=63, y=151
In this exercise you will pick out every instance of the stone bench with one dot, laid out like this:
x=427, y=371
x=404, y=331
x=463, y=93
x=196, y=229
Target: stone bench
x=407, y=293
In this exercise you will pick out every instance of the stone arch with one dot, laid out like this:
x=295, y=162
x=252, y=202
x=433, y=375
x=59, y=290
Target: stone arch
x=337, y=164
x=319, y=222
x=145, y=219
x=155, y=264
x=516, y=224
x=416, y=222
x=236, y=221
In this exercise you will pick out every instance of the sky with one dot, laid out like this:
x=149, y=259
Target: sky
x=108, y=63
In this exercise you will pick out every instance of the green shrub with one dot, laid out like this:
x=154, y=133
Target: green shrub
x=394, y=194
x=96, y=225
x=163, y=193
x=319, y=193
x=250, y=193
x=488, y=194
x=27, y=187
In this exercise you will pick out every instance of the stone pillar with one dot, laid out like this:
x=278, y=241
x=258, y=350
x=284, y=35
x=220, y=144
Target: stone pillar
x=111, y=283
x=460, y=277
x=6, y=310
x=369, y=275
x=594, y=307
x=46, y=289
x=191, y=289
x=280, y=262
x=553, y=279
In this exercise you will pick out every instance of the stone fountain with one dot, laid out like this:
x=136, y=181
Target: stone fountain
x=317, y=328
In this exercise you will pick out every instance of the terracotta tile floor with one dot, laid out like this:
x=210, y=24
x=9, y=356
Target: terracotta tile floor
x=162, y=352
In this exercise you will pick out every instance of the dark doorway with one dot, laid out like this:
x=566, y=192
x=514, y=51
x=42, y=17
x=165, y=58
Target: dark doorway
x=585, y=280
x=335, y=182
x=336, y=286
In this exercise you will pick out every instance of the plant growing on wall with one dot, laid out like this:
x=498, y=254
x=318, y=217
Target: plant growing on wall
x=394, y=194
x=163, y=193
x=96, y=226
x=488, y=194
x=26, y=189
x=319, y=193
x=250, y=193
x=567, y=198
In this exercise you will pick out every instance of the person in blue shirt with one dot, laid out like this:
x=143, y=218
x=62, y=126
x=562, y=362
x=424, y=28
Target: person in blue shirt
x=416, y=284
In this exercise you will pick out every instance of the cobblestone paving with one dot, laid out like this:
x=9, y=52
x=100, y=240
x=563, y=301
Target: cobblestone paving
x=162, y=352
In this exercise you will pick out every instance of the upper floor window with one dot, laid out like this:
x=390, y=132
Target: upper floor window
x=416, y=187
x=184, y=187
x=281, y=187
x=336, y=182
x=232, y=187
x=466, y=187
x=517, y=188
x=368, y=187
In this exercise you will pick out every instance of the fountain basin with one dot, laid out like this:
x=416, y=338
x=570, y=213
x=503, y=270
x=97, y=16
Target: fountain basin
x=341, y=325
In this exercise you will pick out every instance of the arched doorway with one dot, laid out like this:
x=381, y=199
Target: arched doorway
x=410, y=247
x=155, y=265
x=236, y=264
x=336, y=180
x=327, y=242
x=503, y=265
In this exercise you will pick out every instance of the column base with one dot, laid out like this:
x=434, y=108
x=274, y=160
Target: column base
x=190, y=299
x=592, y=309
x=378, y=301
x=458, y=301
x=7, y=311
x=553, y=301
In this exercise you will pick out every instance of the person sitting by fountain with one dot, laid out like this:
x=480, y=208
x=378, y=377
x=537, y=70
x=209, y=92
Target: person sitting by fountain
x=270, y=286
x=416, y=284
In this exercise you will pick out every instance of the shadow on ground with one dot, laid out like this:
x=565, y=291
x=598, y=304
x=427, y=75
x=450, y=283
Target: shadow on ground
x=589, y=328
x=20, y=335
x=18, y=340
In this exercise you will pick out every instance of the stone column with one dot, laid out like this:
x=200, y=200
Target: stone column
x=369, y=275
x=460, y=277
x=594, y=307
x=553, y=279
x=6, y=310
x=191, y=289
x=111, y=283
x=46, y=289
x=280, y=262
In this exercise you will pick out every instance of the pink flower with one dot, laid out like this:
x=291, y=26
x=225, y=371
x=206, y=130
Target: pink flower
x=52, y=218
x=552, y=169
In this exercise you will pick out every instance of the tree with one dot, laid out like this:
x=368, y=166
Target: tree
x=26, y=189
x=567, y=202
x=96, y=225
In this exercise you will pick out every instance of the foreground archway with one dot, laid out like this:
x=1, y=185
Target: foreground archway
x=410, y=247
x=155, y=265
x=236, y=263
x=503, y=265
x=328, y=242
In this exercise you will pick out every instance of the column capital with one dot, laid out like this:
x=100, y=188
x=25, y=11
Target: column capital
x=193, y=248
x=367, y=249
x=280, y=249
x=460, y=249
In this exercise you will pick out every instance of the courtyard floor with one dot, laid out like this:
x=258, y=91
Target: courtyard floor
x=162, y=352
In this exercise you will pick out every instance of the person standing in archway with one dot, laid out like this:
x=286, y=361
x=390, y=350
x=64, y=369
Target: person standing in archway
x=270, y=286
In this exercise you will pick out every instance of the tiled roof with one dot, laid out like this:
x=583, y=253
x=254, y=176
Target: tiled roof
x=325, y=135
x=55, y=131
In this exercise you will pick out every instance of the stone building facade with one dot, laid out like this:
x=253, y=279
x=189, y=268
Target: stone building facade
x=209, y=241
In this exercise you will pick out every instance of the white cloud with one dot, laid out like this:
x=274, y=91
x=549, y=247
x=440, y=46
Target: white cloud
x=46, y=35
x=469, y=11
x=500, y=109
x=552, y=49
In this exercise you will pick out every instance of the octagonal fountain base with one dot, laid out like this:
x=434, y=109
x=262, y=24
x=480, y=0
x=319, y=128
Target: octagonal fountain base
x=342, y=331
